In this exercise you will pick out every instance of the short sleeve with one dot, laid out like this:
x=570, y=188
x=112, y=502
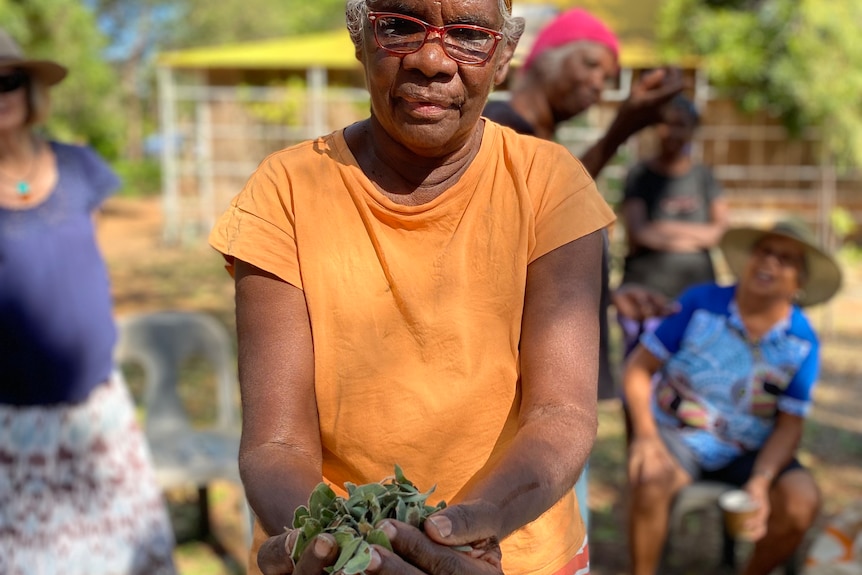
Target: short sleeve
x=797, y=398
x=568, y=206
x=102, y=180
x=666, y=340
x=259, y=227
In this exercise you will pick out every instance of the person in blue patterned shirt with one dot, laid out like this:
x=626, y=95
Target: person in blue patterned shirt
x=721, y=389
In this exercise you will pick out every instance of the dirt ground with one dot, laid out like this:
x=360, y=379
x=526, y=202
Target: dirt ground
x=149, y=275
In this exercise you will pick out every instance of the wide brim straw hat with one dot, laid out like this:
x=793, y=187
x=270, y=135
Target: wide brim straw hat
x=823, y=274
x=45, y=71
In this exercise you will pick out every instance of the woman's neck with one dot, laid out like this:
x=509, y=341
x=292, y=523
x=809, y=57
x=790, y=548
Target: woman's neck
x=529, y=102
x=403, y=176
x=16, y=145
x=672, y=165
x=760, y=314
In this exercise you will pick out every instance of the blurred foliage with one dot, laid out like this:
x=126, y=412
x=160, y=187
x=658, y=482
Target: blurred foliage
x=85, y=107
x=290, y=110
x=799, y=60
x=140, y=178
x=171, y=24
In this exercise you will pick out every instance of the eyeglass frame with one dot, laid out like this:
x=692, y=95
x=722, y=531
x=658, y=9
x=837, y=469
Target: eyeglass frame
x=784, y=259
x=440, y=30
x=17, y=79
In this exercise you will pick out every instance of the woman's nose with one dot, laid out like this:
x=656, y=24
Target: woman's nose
x=431, y=59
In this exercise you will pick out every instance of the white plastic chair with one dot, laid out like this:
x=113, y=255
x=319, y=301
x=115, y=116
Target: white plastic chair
x=161, y=343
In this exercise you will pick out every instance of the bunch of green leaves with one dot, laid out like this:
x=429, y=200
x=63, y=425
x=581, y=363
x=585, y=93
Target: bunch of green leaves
x=351, y=521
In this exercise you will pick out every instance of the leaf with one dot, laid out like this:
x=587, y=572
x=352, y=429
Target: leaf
x=360, y=561
x=320, y=498
x=399, y=475
x=378, y=537
x=401, y=511
x=299, y=516
x=347, y=551
x=414, y=516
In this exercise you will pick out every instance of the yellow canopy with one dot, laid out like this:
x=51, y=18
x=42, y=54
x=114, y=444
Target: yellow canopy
x=634, y=21
x=332, y=50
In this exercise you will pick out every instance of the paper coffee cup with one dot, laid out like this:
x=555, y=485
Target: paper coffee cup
x=738, y=507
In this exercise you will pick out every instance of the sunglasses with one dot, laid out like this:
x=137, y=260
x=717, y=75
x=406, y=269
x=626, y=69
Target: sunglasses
x=12, y=81
x=464, y=43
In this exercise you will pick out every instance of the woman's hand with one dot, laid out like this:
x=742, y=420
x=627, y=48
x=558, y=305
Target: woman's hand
x=416, y=552
x=639, y=303
x=758, y=488
x=446, y=547
x=274, y=556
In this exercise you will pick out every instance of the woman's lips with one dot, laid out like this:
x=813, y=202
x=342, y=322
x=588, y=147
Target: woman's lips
x=428, y=108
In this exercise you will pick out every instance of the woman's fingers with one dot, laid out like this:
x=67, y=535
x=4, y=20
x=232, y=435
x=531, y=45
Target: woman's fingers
x=274, y=556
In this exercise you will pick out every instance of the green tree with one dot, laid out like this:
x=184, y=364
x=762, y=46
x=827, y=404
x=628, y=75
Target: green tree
x=85, y=107
x=142, y=28
x=797, y=59
x=206, y=23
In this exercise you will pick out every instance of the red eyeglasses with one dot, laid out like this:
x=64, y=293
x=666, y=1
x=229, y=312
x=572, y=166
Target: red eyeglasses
x=464, y=43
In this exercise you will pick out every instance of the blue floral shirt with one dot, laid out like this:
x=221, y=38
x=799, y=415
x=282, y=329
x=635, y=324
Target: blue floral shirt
x=721, y=390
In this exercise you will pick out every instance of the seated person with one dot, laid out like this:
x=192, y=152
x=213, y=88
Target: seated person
x=734, y=372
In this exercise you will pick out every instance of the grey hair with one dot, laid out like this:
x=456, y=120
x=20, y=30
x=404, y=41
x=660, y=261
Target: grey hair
x=355, y=10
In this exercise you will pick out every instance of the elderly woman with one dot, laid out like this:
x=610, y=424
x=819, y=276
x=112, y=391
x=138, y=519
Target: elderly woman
x=735, y=369
x=77, y=491
x=421, y=288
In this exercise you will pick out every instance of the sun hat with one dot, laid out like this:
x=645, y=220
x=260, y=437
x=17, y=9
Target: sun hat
x=573, y=25
x=46, y=71
x=823, y=274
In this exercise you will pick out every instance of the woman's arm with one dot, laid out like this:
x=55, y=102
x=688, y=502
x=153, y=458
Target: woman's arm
x=280, y=453
x=776, y=453
x=557, y=418
x=673, y=236
x=648, y=458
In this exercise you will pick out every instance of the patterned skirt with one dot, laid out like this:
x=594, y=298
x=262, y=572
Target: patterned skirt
x=77, y=491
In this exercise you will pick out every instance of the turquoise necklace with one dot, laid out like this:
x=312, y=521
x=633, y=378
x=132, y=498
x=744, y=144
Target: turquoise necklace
x=22, y=185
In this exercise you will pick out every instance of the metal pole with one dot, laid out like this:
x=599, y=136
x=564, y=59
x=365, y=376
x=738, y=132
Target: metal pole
x=204, y=163
x=167, y=121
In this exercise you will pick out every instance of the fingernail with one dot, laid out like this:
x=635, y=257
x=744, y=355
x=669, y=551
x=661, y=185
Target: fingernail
x=375, y=560
x=388, y=528
x=322, y=546
x=443, y=525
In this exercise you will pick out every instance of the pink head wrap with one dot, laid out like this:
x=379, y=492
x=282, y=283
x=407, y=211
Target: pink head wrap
x=572, y=26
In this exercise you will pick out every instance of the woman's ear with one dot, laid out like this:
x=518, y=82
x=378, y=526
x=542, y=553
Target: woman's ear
x=508, y=51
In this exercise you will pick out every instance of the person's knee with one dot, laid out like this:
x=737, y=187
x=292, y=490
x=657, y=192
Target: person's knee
x=653, y=495
x=796, y=501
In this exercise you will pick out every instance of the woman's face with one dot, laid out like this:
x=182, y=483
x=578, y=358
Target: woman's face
x=585, y=70
x=13, y=103
x=775, y=268
x=426, y=101
x=675, y=132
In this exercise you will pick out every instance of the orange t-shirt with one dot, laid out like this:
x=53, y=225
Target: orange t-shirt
x=416, y=310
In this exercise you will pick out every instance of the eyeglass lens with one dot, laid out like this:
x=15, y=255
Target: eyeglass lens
x=403, y=35
x=13, y=81
x=785, y=259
